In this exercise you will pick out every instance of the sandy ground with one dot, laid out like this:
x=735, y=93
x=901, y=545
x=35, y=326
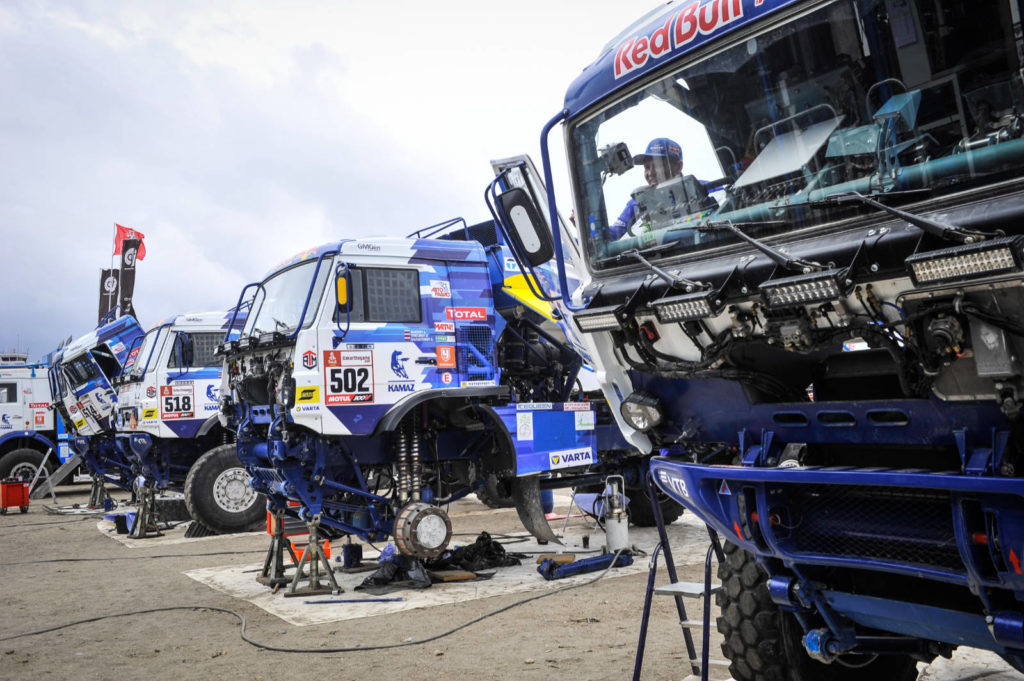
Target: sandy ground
x=62, y=569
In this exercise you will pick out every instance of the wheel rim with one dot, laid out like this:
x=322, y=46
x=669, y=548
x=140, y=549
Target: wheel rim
x=23, y=471
x=232, y=491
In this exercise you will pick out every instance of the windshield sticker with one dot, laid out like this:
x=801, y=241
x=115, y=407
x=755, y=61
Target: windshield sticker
x=176, y=402
x=679, y=29
x=348, y=376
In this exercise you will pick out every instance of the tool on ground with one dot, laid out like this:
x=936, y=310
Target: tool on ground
x=355, y=600
x=550, y=569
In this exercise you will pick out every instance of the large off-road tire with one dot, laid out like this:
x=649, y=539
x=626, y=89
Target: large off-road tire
x=22, y=463
x=764, y=643
x=493, y=496
x=640, y=512
x=218, y=494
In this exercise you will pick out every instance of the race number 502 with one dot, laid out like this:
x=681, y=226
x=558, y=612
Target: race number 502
x=348, y=376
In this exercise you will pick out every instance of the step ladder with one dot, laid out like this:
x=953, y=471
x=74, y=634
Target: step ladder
x=680, y=590
x=38, y=489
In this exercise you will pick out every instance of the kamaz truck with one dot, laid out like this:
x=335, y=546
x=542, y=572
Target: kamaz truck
x=803, y=278
x=81, y=378
x=29, y=428
x=168, y=424
x=377, y=380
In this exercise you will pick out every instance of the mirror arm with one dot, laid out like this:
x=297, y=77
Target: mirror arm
x=545, y=155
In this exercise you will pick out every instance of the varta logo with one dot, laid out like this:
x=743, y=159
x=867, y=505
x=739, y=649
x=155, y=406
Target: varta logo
x=398, y=364
x=401, y=387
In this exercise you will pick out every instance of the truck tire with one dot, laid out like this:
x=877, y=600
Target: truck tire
x=762, y=642
x=492, y=496
x=218, y=494
x=21, y=463
x=640, y=512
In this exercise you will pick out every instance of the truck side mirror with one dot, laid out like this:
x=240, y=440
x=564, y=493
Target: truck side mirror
x=527, y=229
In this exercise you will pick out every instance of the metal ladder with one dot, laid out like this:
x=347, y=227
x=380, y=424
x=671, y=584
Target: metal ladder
x=679, y=590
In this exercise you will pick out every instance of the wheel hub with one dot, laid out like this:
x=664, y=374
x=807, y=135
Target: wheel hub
x=232, y=491
x=422, y=530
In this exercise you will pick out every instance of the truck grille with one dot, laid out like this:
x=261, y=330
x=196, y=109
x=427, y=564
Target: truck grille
x=913, y=527
x=476, y=365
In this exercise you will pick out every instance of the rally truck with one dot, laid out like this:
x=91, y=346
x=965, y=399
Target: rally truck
x=377, y=380
x=81, y=378
x=168, y=424
x=29, y=427
x=815, y=311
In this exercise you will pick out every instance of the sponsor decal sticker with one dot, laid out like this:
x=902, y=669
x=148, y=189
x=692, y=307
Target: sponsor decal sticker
x=511, y=265
x=38, y=405
x=397, y=387
x=309, y=359
x=576, y=406
x=466, y=314
x=446, y=377
x=440, y=288
x=398, y=364
x=533, y=406
x=446, y=356
x=150, y=391
x=524, y=426
x=348, y=376
x=568, y=458
x=149, y=414
x=445, y=339
x=479, y=384
x=672, y=484
x=416, y=335
x=444, y=327
x=118, y=347
x=40, y=418
x=584, y=420
x=176, y=402
x=307, y=393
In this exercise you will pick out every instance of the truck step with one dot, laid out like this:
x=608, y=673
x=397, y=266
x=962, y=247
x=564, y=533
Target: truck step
x=46, y=484
x=685, y=589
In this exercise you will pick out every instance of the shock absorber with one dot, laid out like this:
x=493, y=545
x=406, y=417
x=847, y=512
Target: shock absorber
x=414, y=454
x=402, y=454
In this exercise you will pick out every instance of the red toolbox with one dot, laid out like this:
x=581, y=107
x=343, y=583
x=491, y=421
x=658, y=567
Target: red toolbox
x=13, y=494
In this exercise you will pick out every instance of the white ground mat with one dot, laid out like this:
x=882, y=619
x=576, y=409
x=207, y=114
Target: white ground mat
x=687, y=535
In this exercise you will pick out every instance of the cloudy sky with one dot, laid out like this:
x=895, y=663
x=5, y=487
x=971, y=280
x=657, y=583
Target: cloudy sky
x=234, y=134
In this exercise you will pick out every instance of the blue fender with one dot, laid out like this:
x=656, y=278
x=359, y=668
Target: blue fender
x=31, y=435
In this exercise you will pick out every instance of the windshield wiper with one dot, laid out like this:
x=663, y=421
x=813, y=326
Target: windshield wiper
x=670, y=279
x=775, y=255
x=934, y=227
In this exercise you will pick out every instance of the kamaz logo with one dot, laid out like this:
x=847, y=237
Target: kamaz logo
x=401, y=387
x=673, y=484
x=398, y=364
x=5, y=422
x=211, y=392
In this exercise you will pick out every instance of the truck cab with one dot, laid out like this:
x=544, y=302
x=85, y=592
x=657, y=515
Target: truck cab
x=169, y=427
x=29, y=427
x=82, y=377
x=801, y=266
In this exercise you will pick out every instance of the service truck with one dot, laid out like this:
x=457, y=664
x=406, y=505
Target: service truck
x=30, y=430
x=168, y=424
x=803, y=278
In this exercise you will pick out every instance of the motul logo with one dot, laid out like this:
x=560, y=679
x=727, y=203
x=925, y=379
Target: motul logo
x=466, y=314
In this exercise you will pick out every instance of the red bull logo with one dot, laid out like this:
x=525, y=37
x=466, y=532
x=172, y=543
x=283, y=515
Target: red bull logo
x=678, y=30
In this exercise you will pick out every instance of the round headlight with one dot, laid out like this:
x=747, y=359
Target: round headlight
x=642, y=411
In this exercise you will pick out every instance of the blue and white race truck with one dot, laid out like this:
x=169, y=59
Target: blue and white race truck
x=377, y=380
x=81, y=378
x=168, y=424
x=803, y=259
x=29, y=426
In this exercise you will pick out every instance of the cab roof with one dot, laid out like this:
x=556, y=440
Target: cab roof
x=662, y=35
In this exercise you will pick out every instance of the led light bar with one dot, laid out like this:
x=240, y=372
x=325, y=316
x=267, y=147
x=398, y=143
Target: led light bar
x=600, y=319
x=970, y=261
x=688, y=307
x=805, y=289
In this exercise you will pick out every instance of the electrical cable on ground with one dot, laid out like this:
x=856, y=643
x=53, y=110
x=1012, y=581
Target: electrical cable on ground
x=166, y=555
x=350, y=649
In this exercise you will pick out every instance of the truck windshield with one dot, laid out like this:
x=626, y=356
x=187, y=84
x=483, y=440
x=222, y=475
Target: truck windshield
x=868, y=96
x=80, y=370
x=278, y=303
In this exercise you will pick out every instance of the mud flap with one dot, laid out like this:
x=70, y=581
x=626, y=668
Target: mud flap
x=526, y=494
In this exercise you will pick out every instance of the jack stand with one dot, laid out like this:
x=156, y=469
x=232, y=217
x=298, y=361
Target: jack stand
x=314, y=557
x=145, y=517
x=272, y=574
x=97, y=493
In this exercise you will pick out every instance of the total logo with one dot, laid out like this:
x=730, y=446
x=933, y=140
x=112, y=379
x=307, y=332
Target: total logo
x=309, y=359
x=466, y=314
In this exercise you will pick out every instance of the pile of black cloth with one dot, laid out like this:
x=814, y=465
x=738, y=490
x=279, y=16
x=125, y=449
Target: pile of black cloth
x=482, y=554
x=397, y=572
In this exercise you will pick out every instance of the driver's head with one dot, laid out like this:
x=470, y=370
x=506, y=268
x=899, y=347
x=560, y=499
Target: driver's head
x=662, y=161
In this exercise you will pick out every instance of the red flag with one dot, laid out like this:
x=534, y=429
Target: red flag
x=125, y=233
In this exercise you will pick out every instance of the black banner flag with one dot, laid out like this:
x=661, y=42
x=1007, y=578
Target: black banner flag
x=129, y=250
x=108, y=293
